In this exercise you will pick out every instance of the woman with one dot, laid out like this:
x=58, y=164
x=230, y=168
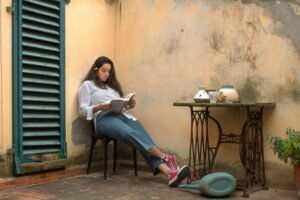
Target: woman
x=98, y=88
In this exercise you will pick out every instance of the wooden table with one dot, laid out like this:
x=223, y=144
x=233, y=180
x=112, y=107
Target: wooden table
x=202, y=154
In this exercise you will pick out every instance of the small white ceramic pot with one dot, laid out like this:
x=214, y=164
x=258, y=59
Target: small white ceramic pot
x=201, y=96
x=231, y=95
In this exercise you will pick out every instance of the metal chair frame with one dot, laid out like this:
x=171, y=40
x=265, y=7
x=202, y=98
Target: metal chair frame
x=105, y=141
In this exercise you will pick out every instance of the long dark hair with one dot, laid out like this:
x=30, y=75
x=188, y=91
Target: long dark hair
x=112, y=78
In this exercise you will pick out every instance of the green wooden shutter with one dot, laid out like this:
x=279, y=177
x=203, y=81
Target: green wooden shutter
x=38, y=83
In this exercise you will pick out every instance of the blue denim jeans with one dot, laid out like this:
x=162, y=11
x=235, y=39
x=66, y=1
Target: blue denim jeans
x=118, y=126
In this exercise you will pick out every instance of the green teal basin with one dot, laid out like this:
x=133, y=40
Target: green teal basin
x=217, y=184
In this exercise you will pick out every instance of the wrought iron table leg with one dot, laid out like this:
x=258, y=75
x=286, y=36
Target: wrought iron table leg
x=252, y=154
x=201, y=154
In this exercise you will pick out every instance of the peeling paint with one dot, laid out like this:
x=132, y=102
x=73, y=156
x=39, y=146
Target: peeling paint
x=284, y=12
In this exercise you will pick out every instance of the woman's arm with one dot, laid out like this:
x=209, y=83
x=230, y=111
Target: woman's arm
x=86, y=109
x=101, y=107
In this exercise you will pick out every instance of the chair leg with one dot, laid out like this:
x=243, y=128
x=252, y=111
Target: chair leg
x=93, y=142
x=105, y=144
x=134, y=162
x=115, y=155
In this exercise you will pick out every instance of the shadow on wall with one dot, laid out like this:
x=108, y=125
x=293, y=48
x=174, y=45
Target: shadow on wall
x=81, y=131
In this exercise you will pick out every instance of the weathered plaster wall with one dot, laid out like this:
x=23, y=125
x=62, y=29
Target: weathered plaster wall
x=90, y=33
x=5, y=77
x=167, y=49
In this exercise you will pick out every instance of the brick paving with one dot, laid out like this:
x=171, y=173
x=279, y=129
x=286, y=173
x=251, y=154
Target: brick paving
x=123, y=185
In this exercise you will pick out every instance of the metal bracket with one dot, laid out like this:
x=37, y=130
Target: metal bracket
x=10, y=9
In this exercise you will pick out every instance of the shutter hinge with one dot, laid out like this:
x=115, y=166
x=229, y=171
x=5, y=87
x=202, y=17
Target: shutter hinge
x=10, y=9
x=67, y=1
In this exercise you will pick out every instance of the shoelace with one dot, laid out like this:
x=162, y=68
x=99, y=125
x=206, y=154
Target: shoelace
x=171, y=162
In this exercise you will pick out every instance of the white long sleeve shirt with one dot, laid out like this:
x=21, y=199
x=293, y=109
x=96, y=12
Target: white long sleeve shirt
x=91, y=95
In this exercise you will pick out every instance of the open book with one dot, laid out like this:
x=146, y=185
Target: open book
x=120, y=103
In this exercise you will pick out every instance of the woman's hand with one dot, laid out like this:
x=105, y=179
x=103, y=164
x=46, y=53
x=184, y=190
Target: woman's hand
x=131, y=104
x=102, y=107
x=105, y=106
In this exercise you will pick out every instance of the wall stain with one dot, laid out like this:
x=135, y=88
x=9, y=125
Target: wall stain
x=184, y=98
x=288, y=92
x=252, y=26
x=81, y=131
x=110, y=2
x=251, y=58
x=250, y=90
x=172, y=46
x=216, y=42
x=219, y=77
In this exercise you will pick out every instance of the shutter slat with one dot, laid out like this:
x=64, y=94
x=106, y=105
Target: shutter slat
x=33, y=10
x=43, y=4
x=41, y=108
x=40, y=90
x=40, y=29
x=38, y=151
x=41, y=116
x=41, y=38
x=41, y=64
x=41, y=134
x=41, y=21
x=41, y=143
x=42, y=47
x=40, y=125
x=39, y=72
x=40, y=55
x=40, y=99
x=40, y=81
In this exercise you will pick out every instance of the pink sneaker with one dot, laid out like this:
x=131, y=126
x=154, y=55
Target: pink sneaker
x=170, y=161
x=175, y=177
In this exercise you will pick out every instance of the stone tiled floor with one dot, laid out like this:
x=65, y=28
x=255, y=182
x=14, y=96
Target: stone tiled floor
x=123, y=185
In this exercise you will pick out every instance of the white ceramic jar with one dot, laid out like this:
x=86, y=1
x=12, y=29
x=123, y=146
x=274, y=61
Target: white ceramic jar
x=231, y=95
x=201, y=96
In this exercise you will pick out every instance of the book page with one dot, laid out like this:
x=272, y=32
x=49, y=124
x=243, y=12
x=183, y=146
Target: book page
x=119, y=103
x=130, y=96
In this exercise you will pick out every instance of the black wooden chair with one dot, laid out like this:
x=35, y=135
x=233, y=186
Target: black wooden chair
x=105, y=141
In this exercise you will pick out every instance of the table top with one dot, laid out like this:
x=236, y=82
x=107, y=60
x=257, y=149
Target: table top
x=256, y=104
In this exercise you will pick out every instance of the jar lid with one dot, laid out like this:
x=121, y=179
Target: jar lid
x=227, y=86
